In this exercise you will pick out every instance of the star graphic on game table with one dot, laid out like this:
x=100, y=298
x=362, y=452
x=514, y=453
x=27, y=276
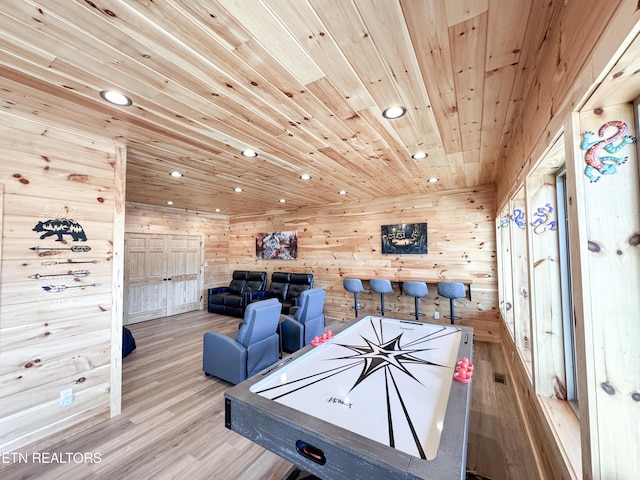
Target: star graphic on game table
x=385, y=355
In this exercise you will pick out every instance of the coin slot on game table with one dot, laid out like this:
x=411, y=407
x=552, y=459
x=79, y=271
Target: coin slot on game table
x=312, y=453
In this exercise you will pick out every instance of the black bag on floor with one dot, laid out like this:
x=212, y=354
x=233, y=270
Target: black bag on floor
x=128, y=342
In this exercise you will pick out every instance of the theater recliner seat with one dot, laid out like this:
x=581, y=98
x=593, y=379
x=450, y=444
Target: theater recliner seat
x=307, y=322
x=298, y=283
x=279, y=286
x=287, y=287
x=233, y=300
x=234, y=358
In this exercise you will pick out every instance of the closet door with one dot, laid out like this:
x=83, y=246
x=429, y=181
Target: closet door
x=145, y=284
x=162, y=275
x=183, y=270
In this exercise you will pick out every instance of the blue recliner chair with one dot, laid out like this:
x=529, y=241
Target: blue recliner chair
x=307, y=321
x=256, y=345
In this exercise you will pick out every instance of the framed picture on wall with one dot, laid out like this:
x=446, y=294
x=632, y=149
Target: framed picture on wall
x=405, y=238
x=277, y=246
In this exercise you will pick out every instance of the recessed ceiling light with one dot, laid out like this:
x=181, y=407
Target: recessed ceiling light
x=217, y=209
x=282, y=200
x=237, y=189
x=433, y=180
x=176, y=174
x=419, y=155
x=169, y=202
x=305, y=176
x=250, y=153
x=343, y=192
x=116, y=98
x=394, y=112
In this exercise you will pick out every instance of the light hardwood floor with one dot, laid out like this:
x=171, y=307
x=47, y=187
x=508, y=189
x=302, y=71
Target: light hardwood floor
x=172, y=421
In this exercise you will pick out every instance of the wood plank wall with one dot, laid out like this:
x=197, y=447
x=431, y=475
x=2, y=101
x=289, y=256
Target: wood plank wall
x=343, y=240
x=566, y=64
x=607, y=330
x=557, y=461
x=577, y=52
x=55, y=340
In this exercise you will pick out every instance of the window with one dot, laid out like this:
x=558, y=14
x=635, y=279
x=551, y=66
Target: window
x=568, y=318
x=533, y=289
x=520, y=276
x=505, y=283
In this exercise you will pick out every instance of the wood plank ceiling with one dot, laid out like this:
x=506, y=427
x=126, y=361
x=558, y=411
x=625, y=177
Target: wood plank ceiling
x=301, y=82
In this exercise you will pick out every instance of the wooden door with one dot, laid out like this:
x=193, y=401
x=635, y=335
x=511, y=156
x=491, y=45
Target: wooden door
x=145, y=287
x=162, y=275
x=183, y=272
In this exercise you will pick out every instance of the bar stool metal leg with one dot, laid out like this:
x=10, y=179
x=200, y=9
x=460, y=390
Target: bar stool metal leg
x=452, y=309
x=416, y=290
x=381, y=286
x=451, y=290
x=354, y=285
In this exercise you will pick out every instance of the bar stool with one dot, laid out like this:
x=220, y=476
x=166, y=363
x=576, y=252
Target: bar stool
x=451, y=290
x=416, y=290
x=381, y=286
x=354, y=285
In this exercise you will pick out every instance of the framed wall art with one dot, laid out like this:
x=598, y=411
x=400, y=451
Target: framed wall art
x=404, y=238
x=277, y=246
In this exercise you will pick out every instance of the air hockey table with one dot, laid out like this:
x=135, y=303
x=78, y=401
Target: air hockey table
x=377, y=401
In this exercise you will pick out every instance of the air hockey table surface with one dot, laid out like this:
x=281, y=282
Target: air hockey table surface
x=376, y=401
